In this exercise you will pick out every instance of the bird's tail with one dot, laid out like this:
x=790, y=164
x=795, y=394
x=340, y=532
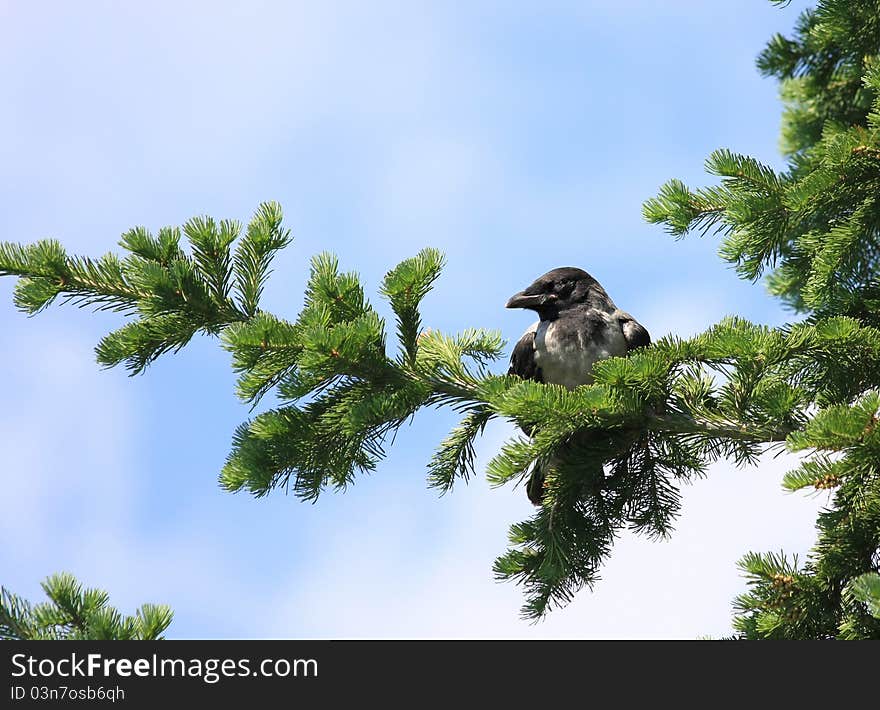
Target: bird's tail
x=538, y=478
x=535, y=486
x=573, y=451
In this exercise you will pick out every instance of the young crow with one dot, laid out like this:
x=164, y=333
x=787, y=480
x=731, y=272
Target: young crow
x=578, y=325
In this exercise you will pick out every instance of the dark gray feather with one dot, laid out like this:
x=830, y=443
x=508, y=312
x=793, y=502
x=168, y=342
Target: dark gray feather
x=522, y=361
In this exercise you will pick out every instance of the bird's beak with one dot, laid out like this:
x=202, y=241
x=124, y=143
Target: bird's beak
x=526, y=300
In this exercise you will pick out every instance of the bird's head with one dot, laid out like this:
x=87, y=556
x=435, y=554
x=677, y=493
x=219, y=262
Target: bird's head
x=557, y=291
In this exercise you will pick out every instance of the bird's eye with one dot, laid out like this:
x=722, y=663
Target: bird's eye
x=563, y=288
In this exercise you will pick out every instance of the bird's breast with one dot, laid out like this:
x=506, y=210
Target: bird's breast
x=567, y=349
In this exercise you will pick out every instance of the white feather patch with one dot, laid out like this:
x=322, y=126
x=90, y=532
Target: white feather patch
x=569, y=361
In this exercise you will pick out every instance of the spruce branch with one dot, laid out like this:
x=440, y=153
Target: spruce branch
x=616, y=451
x=866, y=589
x=254, y=253
x=77, y=613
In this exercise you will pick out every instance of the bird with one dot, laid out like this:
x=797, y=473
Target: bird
x=578, y=325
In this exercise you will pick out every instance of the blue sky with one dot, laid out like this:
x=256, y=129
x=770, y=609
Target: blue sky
x=516, y=137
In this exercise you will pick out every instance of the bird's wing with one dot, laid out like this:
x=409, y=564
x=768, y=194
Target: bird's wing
x=633, y=332
x=522, y=361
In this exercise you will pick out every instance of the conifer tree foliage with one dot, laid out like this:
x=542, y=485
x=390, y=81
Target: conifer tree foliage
x=75, y=613
x=813, y=232
x=650, y=422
